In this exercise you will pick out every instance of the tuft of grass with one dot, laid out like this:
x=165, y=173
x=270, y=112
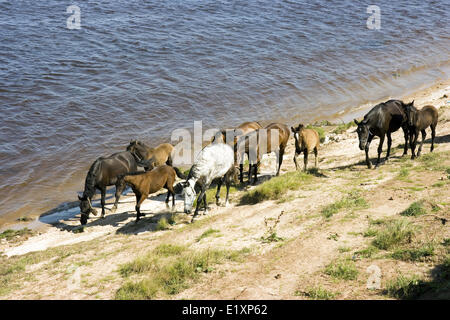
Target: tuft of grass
x=276, y=187
x=318, y=293
x=11, y=234
x=342, y=269
x=404, y=172
x=415, y=209
x=352, y=201
x=169, y=270
x=367, y=252
x=405, y=287
x=370, y=233
x=207, y=233
x=395, y=232
x=319, y=130
x=271, y=235
x=344, y=249
x=344, y=127
x=417, y=254
x=162, y=224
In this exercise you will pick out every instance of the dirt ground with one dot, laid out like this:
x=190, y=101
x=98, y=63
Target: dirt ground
x=62, y=263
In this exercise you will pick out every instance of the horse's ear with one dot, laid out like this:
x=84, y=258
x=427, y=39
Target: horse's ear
x=412, y=103
x=292, y=129
x=356, y=122
x=80, y=198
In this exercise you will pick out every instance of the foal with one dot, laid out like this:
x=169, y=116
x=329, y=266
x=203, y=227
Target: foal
x=306, y=141
x=150, y=182
x=419, y=120
x=151, y=157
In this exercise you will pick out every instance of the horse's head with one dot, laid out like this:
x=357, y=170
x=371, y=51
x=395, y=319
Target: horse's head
x=363, y=132
x=137, y=149
x=188, y=195
x=297, y=131
x=85, y=209
x=410, y=112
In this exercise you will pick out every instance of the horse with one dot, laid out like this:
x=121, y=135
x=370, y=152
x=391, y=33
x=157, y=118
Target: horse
x=419, y=120
x=382, y=120
x=150, y=182
x=306, y=141
x=228, y=135
x=259, y=142
x=105, y=171
x=151, y=157
x=214, y=161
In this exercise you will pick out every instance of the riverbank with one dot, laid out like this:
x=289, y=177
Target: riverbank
x=335, y=224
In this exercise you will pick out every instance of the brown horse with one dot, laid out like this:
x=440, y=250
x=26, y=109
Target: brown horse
x=228, y=135
x=259, y=142
x=306, y=141
x=151, y=157
x=150, y=182
x=419, y=120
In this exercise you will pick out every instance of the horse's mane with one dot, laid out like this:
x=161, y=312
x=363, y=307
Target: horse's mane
x=89, y=186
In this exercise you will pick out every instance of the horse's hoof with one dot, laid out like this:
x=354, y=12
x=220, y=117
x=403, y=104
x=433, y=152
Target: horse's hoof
x=113, y=209
x=227, y=204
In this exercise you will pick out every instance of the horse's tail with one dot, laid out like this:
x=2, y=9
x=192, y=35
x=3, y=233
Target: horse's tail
x=179, y=173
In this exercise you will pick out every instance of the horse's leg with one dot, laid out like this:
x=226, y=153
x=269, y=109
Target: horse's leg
x=406, y=134
x=241, y=173
x=433, y=135
x=380, y=149
x=315, y=155
x=103, y=190
x=169, y=160
x=120, y=186
x=168, y=198
x=305, y=159
x=389, y=142
x=228, y=178
x=295, y=160
x=139, y=200
x=255, y=172
x=366, y=149
x=219, y=185
x=413, y=142
x=199, y=199
x=280, y=159
x=424, y=134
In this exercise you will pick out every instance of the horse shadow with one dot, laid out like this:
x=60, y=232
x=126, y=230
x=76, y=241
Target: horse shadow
x=147, y=223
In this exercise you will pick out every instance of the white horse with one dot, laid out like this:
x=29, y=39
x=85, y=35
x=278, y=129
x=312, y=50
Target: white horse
x=214, y=161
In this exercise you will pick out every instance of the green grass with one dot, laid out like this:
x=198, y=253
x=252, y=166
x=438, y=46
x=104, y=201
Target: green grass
x=10, y=234
x=342, y=269
x=207, y=233
x=317, y=293
x=352, y=201
x=393, y=234
x=415, y=209
x=169, y=270
x=162, y=224
x=417, y=254
x=405, y=287
x=404, y=172
x=367, y=252
x=319, y=130
x=344, y=127
x=276, y=187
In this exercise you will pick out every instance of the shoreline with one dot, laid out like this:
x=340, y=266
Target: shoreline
x=426, y=94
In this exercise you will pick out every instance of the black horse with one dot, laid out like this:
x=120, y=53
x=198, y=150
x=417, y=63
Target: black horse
x=382, y=120
x=105, y=171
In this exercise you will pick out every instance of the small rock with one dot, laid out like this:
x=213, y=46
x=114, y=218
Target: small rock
x=278, y=276
x=391, y=198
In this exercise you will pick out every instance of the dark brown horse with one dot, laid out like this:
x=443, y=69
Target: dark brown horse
x=381, y=121
x=105, y=171
x=419, y=120
x=151, y=157
x=231, y=136
x=144, y=184
x=259, y=142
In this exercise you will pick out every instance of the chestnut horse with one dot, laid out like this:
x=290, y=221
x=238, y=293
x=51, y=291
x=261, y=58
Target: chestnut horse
x=151, y=157
x=306, y=141
x=259, y=142
x=419, y=120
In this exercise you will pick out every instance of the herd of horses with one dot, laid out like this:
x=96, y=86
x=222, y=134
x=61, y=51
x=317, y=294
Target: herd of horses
x=223, y=157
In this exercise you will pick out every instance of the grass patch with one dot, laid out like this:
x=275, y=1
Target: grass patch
x=317, y=293
x=404, y=172
x=344, y=127
x=207, y=233
x=342, y=269
x=367, y=252
x=417, y=254
x=162, y=224
x=169, y=270
x=415, y=209
x=405, y=287
x=395, y=233
x=319, y=130
x=352, y=201
x=276, y=187
x=11, y=234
